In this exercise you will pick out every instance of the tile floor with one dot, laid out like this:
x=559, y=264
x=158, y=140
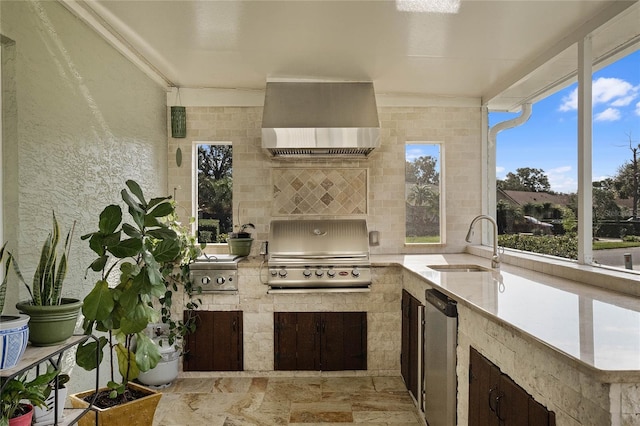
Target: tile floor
x=239, y=401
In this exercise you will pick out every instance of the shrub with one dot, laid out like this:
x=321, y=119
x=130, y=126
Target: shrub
x=556, y=245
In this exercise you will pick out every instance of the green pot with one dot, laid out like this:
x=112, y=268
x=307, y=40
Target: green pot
x=240, y=246
x=51, y=325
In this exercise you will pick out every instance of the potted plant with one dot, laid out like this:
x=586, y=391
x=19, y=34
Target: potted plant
x=240, y=242
x=14, y=329
x=126, y=305
x=14, y=410
x=52, y=317
x=47, y=414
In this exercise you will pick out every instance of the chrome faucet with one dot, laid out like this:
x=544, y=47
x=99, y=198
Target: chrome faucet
x=495, y=259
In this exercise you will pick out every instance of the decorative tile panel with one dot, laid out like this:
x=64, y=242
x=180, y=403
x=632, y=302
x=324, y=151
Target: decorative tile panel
x=319, y=191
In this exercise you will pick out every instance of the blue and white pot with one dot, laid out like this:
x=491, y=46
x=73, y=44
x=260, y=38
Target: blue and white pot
x=14, y=335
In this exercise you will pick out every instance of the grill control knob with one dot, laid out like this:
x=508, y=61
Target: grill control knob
x=355, y=272
x=319, y=272
x=282, y=273
x=220, y=280
x=306, y=273
x=274, y=272
x=205, y=280
x=331, y=273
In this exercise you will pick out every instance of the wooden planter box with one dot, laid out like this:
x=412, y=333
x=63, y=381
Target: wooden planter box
x=139, y=412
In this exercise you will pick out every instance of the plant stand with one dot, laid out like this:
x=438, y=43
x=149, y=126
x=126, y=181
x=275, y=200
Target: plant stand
x=34, y=357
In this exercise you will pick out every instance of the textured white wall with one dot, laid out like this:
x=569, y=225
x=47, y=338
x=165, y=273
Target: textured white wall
x=87, y=120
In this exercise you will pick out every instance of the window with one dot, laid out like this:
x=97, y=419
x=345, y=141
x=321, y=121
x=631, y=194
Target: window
x=422, y=193
x=214, y=191
x=536, y=171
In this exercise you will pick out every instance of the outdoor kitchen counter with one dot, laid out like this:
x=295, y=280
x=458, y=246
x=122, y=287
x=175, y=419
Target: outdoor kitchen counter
x=552, y=311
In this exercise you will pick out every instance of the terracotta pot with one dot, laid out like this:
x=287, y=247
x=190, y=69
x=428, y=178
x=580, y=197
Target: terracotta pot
x=23, y=420
x=139, y=412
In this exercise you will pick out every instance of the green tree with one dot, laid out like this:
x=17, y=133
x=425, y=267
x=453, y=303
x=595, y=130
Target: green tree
x=627, y=181
x=215, y=184
x=526, y=179
x=422, y=171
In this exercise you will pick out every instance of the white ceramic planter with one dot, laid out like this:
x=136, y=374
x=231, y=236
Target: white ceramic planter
x=14, y=335
x=167, y=369
x=45, y=416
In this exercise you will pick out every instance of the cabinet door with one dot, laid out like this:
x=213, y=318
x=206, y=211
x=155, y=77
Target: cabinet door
x=512, y=403
x=484, y=379
x=406, y=338
x=216, y=345
x=410, y=346
x=343, y=341
x=296, y=341
x=227, y=341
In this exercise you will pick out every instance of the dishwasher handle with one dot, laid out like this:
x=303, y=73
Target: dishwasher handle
x=444, y=304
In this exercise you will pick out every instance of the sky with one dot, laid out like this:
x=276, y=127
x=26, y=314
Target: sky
x=548, y=140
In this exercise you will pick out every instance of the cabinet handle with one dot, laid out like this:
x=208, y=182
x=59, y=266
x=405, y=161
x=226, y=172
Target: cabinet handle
x=491, y=391
x=498, y=410
x=234, y=325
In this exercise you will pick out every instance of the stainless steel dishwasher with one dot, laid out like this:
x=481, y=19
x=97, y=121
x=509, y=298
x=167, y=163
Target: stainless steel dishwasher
x=440, y=340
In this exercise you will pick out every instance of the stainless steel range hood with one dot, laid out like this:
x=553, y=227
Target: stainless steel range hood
x=302, y=119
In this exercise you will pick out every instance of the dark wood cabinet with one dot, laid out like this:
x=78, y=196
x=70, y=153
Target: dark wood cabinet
x=495, y=399
x=216, y=345
x=411, y=355
x=329, y=341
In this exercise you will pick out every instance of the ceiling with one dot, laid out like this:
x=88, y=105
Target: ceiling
x=496, y=51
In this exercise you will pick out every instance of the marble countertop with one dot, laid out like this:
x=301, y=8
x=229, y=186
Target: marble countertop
x=592, y=326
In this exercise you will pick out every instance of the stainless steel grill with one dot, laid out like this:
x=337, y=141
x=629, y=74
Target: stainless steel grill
x=216, y=272
x=319, y=254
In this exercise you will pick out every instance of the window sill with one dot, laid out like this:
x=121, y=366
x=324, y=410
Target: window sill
x=608, y=278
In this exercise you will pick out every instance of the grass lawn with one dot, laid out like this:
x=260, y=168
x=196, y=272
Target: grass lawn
x=423, y=240
x=604, y=245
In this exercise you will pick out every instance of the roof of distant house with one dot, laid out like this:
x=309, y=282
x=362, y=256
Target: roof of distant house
x=524, y=197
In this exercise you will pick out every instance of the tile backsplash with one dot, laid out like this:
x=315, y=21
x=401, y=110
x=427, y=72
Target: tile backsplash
x=319, y=191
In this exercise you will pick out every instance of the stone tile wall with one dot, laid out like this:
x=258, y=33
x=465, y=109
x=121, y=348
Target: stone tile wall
x=576, y=398
x=458, y=128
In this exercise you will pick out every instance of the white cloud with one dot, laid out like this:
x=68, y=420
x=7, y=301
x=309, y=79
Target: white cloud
x=609, y=114
x=562, y=179
x=638, y=109
x=570, y=102
x=612, y=91
x=609, y=89
x=499, y=171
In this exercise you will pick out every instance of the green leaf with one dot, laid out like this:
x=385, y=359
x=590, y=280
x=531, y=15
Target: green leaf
x=110, y=219
x=163, y=233
x=86, y=353
x=166, y=251
x=162, y=210
x=156, y=201
x=96, y=243
x=126, y=248
x=133, y=204
x=131, y=231
x=99, y=303
x=135, y=320
x=151, y=222
x=147, y=352
x=136, y=190
x=99, y=264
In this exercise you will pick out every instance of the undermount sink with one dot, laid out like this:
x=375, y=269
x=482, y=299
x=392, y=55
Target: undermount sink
x=459, y=268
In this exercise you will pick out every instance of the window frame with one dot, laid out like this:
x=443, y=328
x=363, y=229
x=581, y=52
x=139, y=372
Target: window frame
x=441, y=189
x=194, y=183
